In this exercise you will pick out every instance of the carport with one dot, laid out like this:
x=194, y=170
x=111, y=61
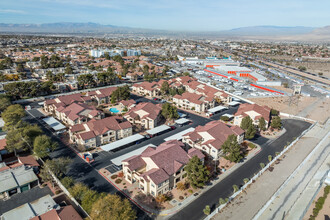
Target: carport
x=122, y=142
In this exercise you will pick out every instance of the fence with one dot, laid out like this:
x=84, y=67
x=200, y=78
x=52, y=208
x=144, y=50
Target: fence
x=64, y=189
x=218, y=209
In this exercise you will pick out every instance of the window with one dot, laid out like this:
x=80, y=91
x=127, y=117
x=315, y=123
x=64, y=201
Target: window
x=152, y=185
x=159, y=185
x=177, y=173
x=152, y=193
x=104, y=135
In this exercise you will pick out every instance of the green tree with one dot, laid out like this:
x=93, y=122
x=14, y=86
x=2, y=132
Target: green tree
x=165, y=88
x=274, y=112
x=4, y=102
x=262, y=124
x=20, y=68
x=197, y=173
x=276, y=122
x=112, y=207
x=231, y=149
x=12, y=115
x=235, y=187
x=43, y=145
x=207, y=210
x=222, y=201
x=67, y=182
x=247, y=125
x=169, y=111
x=86, y=80
x=302, y=68
x=58, y=166
x=121, y=93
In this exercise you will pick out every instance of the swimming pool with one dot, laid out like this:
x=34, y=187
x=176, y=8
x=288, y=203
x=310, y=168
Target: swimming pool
x=114, y=110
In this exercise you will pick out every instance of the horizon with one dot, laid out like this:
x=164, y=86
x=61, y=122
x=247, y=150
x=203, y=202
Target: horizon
x=169, y=15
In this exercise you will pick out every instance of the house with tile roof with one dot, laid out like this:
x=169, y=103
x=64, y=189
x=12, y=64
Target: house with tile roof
x=254, y=111
x=157, y=170
x=193, y=101
x=146, y=114
x=99, y=132
x=210, y=137
x=147, y=88
x=78, y=113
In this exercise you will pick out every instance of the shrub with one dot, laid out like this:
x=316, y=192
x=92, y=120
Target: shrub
x=262, y=165
x=246, y=180
x=124, y=184
x=222, y=201
x=270, y=158
x=121, y=174
x=57, y=192
x=252, y=146
x=114, y=176
x=235, y=187
x=181, y=197
x=207, y=210
x=224, y=118
x=190, y=191
x=226, y=199
x=118, y=181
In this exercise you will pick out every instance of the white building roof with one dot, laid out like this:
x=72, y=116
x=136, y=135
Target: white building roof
x=117, y=161
x=158, y=129
x=228, y=115
x=178, y=136
x=216, y=109
x=15, y=177
x=182, y=121
x=233, y=103
x=2, y=123
x=54, y=124
x=30, y=210
x=122, y=142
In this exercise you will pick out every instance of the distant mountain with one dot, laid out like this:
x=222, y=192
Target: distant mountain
x=67, y=27
x=269, y=30
x=255, y=32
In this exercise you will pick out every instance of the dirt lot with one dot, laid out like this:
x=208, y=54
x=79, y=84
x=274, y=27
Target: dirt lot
x=325, y=210
x=310, y=107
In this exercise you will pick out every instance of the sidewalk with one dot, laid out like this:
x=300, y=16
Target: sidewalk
x=259, y=193
x=294, y=196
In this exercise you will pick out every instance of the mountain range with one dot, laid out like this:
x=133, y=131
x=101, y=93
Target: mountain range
x=254, y=32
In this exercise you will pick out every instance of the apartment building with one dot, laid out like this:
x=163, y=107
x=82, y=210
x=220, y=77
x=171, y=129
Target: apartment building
x=145, y=114
x=147, y=88
x=210, y=137
x=157, y=170
x=77, y=113
x=99, y=132
x=193, y=101
x=254, y=111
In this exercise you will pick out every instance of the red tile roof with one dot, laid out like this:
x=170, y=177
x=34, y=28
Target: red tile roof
x=152, y=110
x=218, y=130
x=28, y=161
x=264, y=111
x=3, y=144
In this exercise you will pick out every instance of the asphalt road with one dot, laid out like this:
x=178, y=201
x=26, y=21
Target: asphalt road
x=224, y=188
x=79, y=169
x=86, y=173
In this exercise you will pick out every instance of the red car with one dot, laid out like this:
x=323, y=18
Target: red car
x=172, y=127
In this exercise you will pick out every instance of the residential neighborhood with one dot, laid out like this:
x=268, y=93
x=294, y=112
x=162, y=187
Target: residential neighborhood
x=131, y=126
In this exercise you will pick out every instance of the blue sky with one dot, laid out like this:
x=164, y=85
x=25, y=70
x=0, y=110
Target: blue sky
x=196, y=15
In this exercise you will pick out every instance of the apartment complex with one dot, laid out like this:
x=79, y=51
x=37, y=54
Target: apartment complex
x=145, y=114
x=193, y=101
x=99, y=132
x=157, y=170
x=254, y=111
x=210, y=137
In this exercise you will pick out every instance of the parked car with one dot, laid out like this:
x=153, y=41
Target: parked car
x=147, y=136
x=172, y=127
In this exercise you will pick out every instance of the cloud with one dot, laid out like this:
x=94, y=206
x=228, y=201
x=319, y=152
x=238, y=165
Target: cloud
x=11, y=11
